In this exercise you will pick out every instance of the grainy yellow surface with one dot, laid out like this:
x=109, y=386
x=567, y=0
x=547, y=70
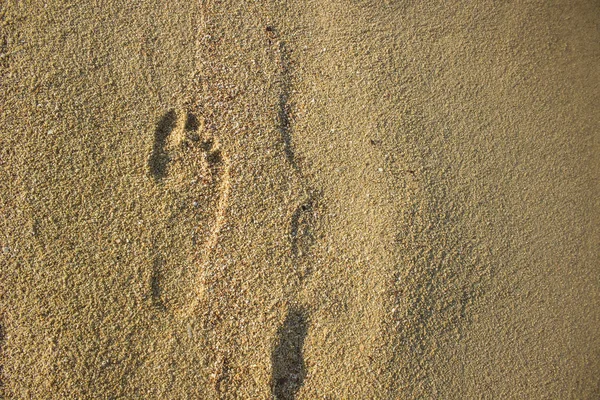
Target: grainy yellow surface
x=339, y=199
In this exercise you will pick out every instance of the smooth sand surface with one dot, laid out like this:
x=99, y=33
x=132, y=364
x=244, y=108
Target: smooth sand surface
x=340, y=199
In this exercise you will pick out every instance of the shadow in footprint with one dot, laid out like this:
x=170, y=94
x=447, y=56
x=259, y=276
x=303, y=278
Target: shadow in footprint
x=159, y=159
x=287, y=359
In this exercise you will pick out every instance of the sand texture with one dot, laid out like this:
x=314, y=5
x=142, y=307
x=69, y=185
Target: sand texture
x=335, y=199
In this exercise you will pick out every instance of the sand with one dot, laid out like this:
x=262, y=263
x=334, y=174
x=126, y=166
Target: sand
x=304, y=199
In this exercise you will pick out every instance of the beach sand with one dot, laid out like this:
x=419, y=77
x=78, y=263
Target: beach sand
x=305, y=199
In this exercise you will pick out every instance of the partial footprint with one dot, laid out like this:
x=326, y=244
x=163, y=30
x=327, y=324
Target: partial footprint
x=304, y=228
x=287, y=360
x=192, y=172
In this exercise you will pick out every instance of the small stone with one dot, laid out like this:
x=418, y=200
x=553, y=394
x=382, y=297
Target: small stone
x=380, y=169
x=195, y=204
x=5, y=249
x=51, y=131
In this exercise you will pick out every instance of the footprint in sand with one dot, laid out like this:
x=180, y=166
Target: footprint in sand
x=192, y=175
x=287, y=359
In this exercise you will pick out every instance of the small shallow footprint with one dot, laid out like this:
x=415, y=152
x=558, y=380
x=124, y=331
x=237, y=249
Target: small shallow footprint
x=191, y=172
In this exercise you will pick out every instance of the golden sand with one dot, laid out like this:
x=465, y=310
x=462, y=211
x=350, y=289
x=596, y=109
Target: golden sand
x=303, y=199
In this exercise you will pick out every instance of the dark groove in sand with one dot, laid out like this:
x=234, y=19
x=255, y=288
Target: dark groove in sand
x=283, y=113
